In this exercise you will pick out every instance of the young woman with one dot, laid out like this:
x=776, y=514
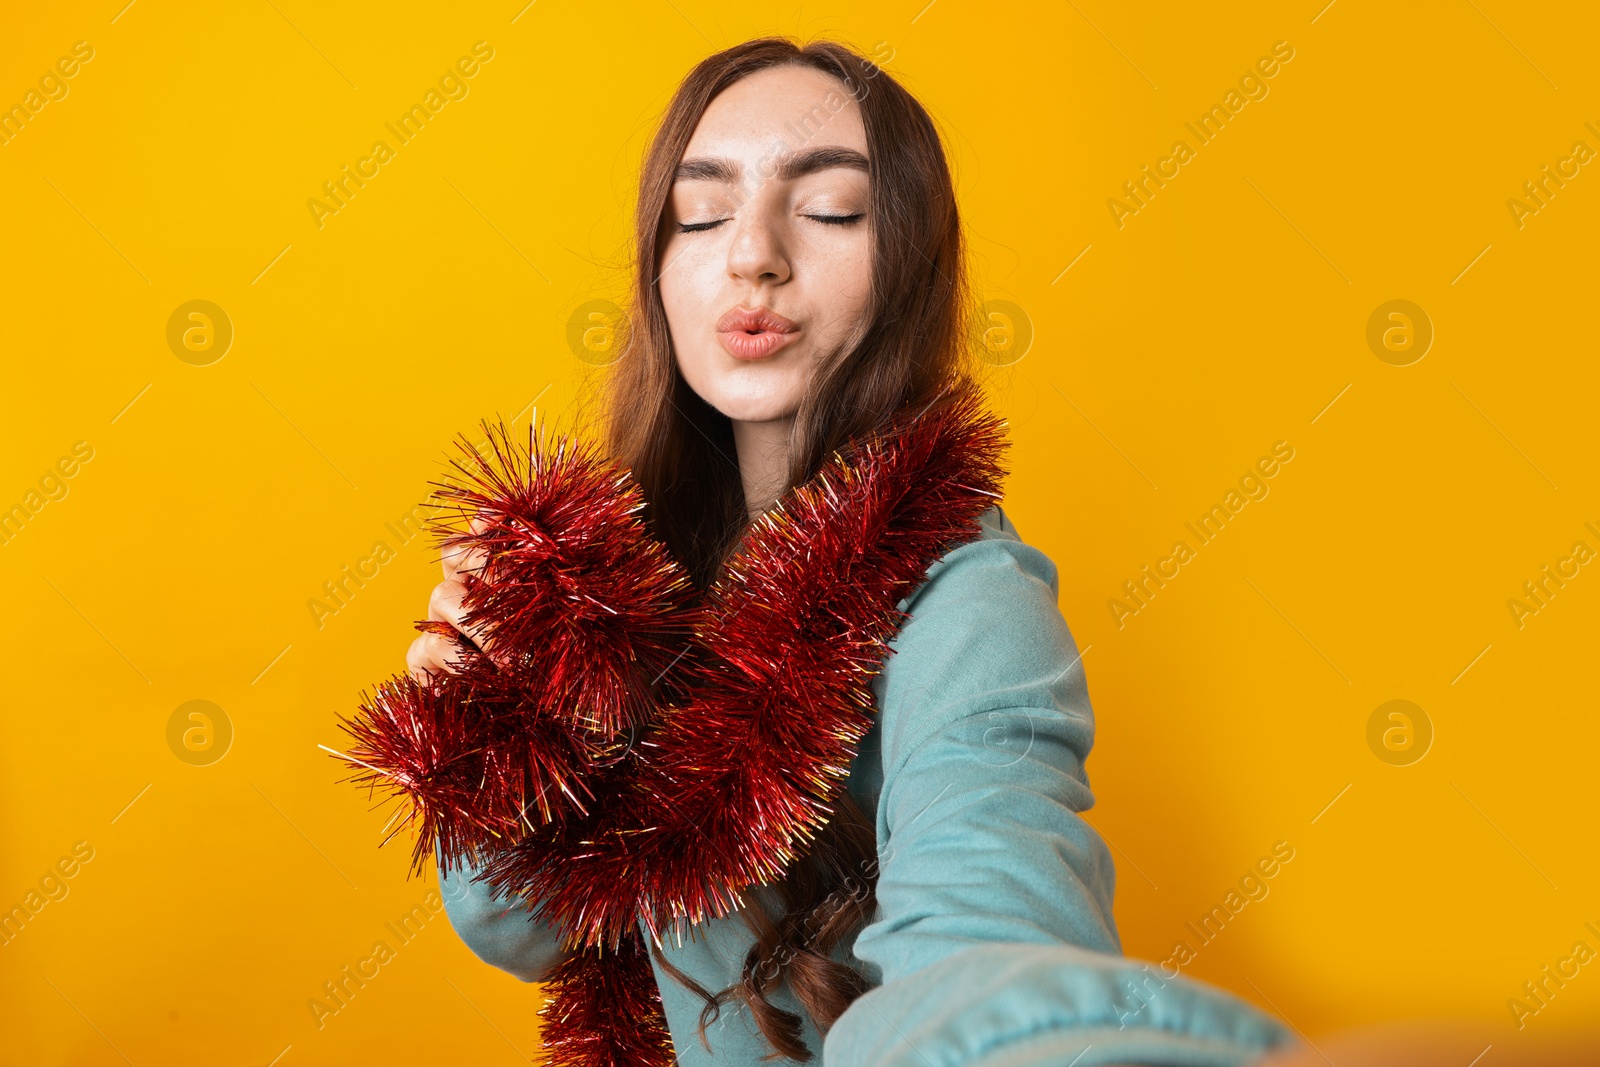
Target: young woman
x=800, y=282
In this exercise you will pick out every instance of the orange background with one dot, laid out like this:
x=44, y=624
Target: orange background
x=1228, y=313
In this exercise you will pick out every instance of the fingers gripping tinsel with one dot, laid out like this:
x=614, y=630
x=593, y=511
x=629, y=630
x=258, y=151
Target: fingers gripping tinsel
x=628, y=754
x=586, y=613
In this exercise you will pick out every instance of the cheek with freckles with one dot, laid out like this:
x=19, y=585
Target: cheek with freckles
x=689, y=290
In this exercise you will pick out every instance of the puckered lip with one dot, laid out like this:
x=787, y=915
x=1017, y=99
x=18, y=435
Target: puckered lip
x=754, y=320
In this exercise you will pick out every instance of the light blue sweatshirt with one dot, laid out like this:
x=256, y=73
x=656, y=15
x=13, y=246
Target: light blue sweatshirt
x=993, y=943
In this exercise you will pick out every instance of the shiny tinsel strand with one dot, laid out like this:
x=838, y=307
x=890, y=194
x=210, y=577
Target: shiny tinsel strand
x=586, y=606
x=801, y=619
x=631, y=755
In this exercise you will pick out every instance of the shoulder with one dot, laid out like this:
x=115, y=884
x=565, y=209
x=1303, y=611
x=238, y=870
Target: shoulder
x=984, y=635
x=992, y=600
x=997, y=559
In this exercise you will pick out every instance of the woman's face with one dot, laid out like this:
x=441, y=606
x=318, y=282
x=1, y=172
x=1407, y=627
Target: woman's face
x=768, y=214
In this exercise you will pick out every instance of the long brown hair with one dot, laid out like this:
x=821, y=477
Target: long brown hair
x=912, y=349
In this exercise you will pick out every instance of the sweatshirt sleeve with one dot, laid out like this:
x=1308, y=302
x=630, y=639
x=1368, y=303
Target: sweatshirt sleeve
x=497, y=930
x=993, y=934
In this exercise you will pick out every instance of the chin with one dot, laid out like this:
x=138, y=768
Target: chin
x=748, y=392
x=742, y=408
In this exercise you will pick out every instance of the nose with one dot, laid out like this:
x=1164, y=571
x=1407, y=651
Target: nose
x=757, y=255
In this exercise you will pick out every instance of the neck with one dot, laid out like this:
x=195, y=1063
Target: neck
x=763, y=449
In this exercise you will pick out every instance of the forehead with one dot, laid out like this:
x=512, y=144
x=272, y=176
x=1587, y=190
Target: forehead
x=782, y=109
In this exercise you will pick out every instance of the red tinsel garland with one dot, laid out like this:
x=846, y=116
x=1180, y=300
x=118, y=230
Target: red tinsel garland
x=633, y=753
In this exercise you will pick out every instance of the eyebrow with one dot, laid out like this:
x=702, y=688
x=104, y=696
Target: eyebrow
x=791, y=165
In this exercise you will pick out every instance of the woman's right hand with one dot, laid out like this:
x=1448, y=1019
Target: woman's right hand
x=433, y=653
x=497, y=933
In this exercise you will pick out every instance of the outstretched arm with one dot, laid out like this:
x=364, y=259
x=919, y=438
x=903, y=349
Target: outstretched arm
x=994, y=934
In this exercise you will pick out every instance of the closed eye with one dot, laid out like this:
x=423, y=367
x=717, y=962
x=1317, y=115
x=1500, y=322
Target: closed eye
x=827, y=220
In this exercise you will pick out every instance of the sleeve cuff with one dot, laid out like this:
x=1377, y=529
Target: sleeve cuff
x=1024, y=1005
